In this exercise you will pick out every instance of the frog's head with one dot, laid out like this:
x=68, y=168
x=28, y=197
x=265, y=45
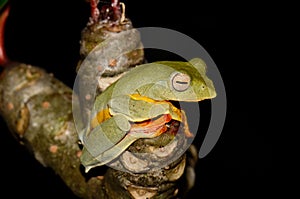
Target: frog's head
x=187, y=81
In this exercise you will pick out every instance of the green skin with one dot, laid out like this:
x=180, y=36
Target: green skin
x=156, y=83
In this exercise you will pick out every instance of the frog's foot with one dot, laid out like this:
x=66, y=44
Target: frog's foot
x=187, y=132
x=185, y=127
x=150, y=128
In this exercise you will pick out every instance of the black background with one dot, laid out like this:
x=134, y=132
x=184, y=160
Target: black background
x=47, y=34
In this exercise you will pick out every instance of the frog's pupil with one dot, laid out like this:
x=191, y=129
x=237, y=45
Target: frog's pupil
x=180, y=82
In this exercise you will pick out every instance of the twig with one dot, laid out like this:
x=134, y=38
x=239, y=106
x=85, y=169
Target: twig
x=3, y=57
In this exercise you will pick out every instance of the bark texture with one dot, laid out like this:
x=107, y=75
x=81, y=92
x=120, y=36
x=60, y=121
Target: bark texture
x=38, y=110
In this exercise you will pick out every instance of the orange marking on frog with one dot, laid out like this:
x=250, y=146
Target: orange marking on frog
x=157, y=125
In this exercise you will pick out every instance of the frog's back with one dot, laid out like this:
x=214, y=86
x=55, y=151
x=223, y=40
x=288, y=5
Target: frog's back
x=140, y=76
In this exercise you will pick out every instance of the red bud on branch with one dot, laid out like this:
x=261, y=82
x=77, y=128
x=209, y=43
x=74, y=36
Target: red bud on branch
x=115, y=4
x=94, y=10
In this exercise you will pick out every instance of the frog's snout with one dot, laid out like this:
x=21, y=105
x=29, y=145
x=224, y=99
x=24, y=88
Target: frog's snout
x=212, y=93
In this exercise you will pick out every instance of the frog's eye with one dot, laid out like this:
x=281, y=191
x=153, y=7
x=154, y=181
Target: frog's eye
x=180, y=81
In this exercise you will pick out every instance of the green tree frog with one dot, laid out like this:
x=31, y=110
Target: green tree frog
x=138, y=106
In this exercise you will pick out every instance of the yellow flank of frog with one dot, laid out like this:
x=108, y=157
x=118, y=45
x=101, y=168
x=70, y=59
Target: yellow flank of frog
x=136, y=96
x=100, y=117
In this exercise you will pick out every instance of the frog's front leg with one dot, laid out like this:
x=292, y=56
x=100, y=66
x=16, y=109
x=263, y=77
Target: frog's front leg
x=168, y=108
x=138, y=109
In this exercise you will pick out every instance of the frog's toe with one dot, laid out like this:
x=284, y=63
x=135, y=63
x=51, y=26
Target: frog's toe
x=88, y=161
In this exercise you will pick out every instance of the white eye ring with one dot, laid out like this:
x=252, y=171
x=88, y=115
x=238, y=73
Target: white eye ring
x=180, y=81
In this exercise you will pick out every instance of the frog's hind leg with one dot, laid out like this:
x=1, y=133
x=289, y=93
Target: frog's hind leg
x=103, y=137
x=110, y=154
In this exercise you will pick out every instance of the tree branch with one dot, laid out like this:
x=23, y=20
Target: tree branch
x=37, y=109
